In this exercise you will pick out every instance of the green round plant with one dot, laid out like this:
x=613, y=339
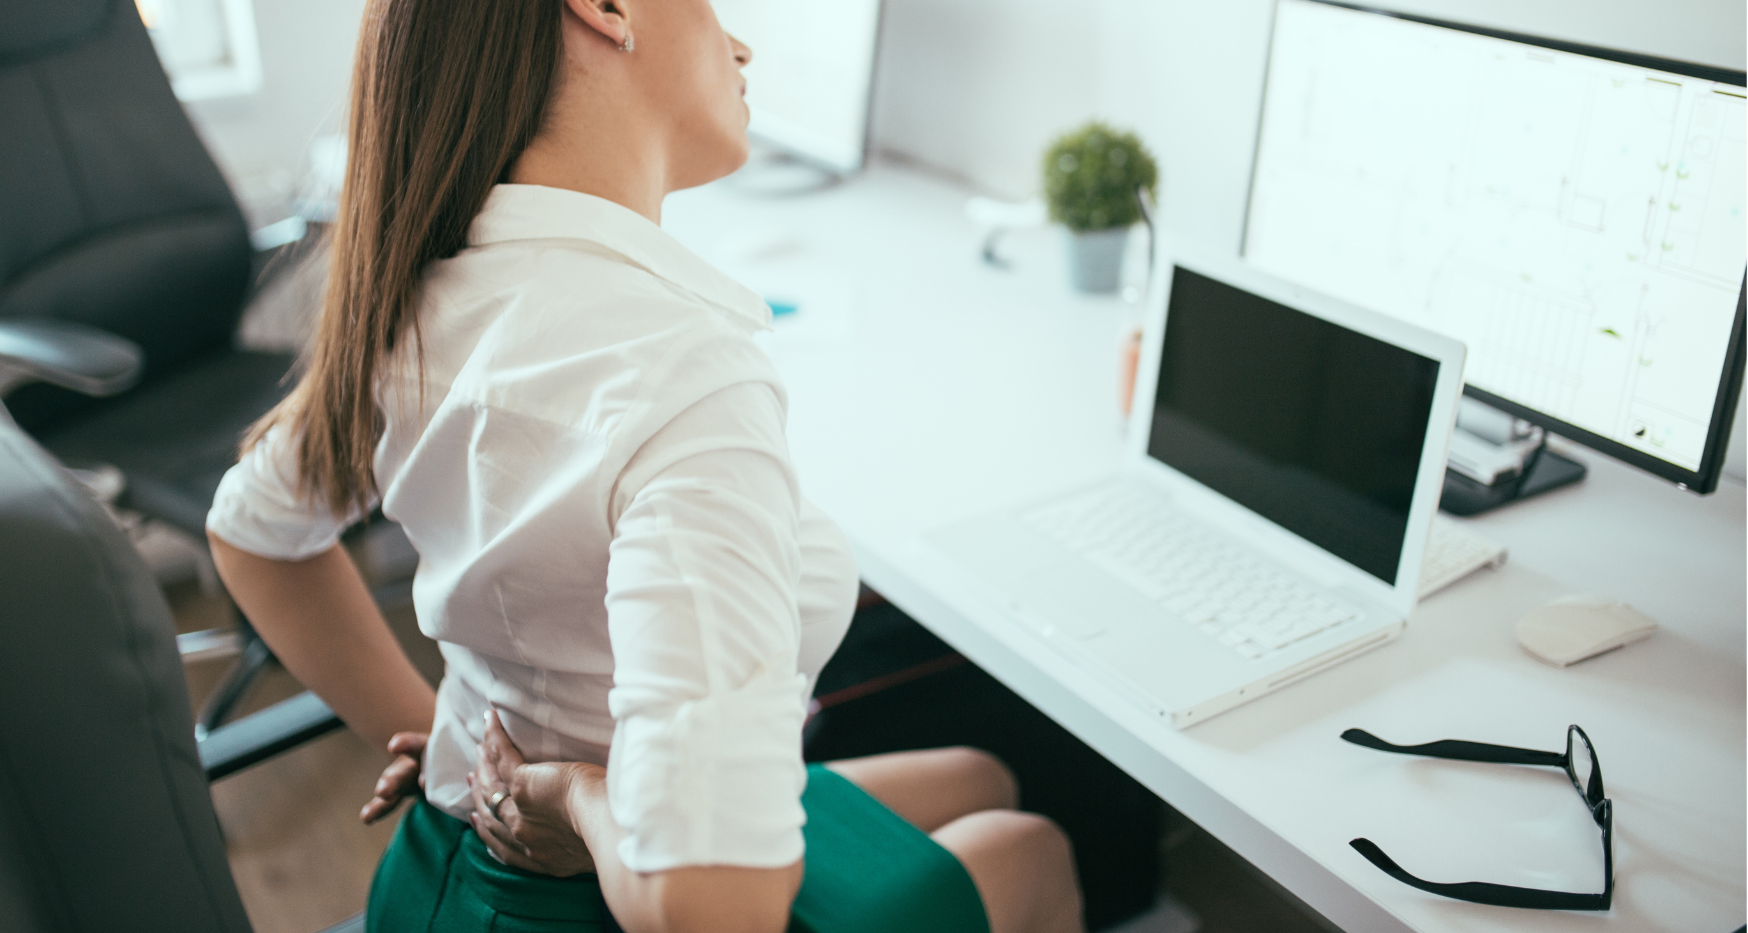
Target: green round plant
x=1090, y=178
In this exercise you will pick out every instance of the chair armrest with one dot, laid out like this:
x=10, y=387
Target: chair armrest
x=72, y=356
x=259, y=736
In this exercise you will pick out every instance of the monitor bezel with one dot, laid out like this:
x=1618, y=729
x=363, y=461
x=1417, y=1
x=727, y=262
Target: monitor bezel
x=774, y=131
x=1702, y=480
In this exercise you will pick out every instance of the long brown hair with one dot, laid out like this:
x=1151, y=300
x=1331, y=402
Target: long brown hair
x=446, y=94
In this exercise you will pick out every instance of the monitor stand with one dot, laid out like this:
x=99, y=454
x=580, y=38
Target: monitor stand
x=1547, y=470
x=772, y=173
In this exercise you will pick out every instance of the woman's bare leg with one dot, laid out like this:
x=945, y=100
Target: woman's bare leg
x=933, y=787
x=1023, y=867
x=1021, y=863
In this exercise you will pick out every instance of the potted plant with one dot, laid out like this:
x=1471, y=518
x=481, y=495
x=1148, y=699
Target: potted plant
x=1091, y=176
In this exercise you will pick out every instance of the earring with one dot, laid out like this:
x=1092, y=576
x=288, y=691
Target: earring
x=627, y=45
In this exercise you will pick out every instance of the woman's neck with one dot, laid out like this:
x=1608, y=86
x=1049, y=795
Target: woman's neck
x=607, y=152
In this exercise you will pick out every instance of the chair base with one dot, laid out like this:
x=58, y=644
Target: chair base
x=230, y=690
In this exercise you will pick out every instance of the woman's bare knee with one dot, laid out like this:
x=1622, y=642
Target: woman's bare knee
x=995, y=786
x=932, y=787
x=1023, y=867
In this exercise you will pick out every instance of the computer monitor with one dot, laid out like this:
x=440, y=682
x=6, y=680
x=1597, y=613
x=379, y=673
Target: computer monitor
x=1574, y=215
x=811, y=79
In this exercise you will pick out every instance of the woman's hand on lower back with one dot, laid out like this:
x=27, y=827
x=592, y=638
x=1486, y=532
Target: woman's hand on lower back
x=531, y=827
x=402, y=777
x=546, y=811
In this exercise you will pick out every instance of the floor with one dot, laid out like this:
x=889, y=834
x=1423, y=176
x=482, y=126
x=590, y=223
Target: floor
x=301, y=858
x=303, y=862
x=1223, y=892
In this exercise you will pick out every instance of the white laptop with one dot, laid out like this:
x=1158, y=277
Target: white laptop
x=1287, y=455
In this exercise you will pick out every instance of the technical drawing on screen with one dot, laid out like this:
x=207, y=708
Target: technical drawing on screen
x=1577, y=221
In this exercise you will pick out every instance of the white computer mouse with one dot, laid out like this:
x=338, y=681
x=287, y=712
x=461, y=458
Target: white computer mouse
x=1573, y=628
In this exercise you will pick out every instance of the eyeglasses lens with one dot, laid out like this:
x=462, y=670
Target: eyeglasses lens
x=1583, y=760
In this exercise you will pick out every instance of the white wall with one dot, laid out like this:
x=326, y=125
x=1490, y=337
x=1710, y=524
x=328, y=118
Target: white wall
x=262, y=140
x=977, y=87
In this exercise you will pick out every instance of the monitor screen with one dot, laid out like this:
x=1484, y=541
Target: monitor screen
x=1576, y=220
x=1313, y=426
x=812, y=73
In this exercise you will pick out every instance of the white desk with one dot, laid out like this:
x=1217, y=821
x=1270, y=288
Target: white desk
x=926, y=386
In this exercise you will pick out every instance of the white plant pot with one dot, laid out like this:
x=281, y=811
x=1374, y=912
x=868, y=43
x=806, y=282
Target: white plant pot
x=1095, y=259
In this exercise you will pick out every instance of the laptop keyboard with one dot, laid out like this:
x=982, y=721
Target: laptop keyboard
x=1197, y=575
x=1454, y=552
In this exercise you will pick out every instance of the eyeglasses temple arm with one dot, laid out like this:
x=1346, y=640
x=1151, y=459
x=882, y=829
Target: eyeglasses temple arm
x=1461, y=751
x=1483, y=892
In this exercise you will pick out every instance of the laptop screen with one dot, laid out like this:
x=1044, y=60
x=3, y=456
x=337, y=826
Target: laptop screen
x=1313, y=426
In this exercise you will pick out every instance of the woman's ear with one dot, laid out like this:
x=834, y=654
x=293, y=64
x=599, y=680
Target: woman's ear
x=608, y=18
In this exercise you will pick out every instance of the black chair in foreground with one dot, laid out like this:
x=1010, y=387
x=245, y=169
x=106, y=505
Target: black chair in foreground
x=106, y=822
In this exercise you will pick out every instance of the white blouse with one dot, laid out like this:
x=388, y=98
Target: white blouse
x=613, y=550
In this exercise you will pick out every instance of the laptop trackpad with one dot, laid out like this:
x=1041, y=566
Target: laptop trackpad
x=1083, y=601
x=1047, y=586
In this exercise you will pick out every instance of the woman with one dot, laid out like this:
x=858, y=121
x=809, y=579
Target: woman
x=564, y=410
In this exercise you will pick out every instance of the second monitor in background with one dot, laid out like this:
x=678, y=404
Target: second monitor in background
x=811, y=79
x=1574, y=215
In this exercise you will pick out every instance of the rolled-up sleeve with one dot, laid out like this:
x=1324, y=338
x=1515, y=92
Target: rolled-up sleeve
x=708, y=704
x=260, y=509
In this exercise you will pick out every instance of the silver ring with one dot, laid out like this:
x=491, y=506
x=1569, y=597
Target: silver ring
x=496, y=798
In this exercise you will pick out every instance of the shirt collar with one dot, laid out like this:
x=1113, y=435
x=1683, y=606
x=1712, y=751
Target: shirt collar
x=536, y=212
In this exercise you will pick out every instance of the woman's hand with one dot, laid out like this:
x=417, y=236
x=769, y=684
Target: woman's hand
x=531, y=828
x=401, y=778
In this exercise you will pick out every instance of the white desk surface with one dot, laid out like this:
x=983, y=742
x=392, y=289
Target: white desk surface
x=926, y=386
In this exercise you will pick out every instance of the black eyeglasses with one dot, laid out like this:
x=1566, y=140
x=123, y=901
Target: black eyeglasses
x=1580, y=764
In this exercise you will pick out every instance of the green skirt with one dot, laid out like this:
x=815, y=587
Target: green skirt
x=866, y=871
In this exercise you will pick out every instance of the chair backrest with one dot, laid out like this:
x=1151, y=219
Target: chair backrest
x=111, y=211
x=106, y=823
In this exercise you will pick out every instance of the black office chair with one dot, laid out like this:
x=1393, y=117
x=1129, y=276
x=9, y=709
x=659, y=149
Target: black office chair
x=114, y=217
x=106, y=823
